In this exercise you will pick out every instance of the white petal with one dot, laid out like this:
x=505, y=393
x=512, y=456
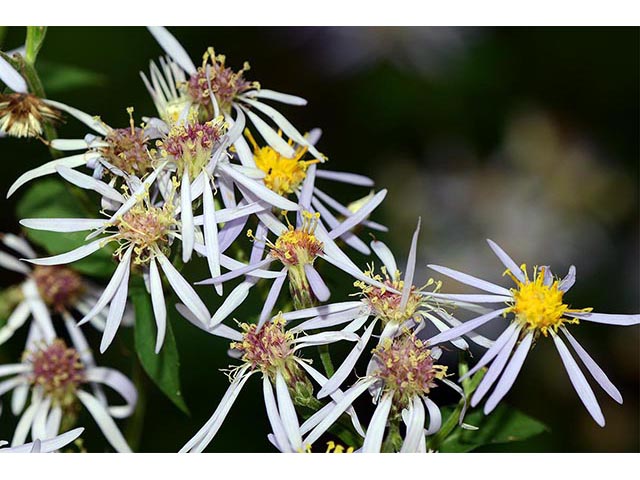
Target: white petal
x=12, y=78
x=568, y=281
x=347, y=365
x=435, y=417
x=282, y=441
x=15, y=321
x=26, y=420
x=375, y=431
x=104, y=421
x=472, y=297
x=415, y=427
x=507, y=261
x=270, y=136
x=411, y=268
x=119, y=383
x=288, y=412
x=345, y=177
x=90, y=121
x=593, y=367
x=185, y=292
x=332, y=319
x=237, y=296
x=173, y=48
x=277, y=96
x=607, y=318
x=510, y=374
x=349, y=397
x=319, y=288
x=157, y=301
x=493, y=350
x=469, y=280
x=116, y=311
x=73, y=255
x=465, y=327
x=49, y=168
x=211, y=235
x=272, y=297
x=18, y=244
x=443, y=327
x=578, y=381
x=321, y=311
x=386, y=257
x=111, y=288
x=89, y=183
x=11, y=263
x=220, y=330
x=495, y=369
x=360, y=215
x=186, y=216
x=63, y=224
x=39, y=310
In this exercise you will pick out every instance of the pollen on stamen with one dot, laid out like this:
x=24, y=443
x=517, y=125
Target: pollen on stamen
x=128, y=149
x=58, y=370
x=406, y=367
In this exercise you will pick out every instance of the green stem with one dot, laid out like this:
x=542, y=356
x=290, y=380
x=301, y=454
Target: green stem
x=325, y=358
x=393, y=441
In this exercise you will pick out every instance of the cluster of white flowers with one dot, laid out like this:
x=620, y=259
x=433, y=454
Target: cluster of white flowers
x=185, y=186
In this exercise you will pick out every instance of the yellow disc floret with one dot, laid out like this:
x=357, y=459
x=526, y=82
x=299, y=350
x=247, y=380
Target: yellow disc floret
x=282, y=175
x=538, y=304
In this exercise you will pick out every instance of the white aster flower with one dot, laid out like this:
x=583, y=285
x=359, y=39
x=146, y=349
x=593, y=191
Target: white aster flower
x=23, y=114
x=394, y=301
x=400, y=377
x=274, y=352
x=145, y=233
x=296, y=249
x=538, y=309
x=58, y=379
x=44, y=445
x=48, y=291
x=217, y=89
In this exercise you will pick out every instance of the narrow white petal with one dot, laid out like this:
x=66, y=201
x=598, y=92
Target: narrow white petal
x=211, y=235
x=377, y=425
x=251, y=269
x=386, y=257
x=321, y=311
x=469, y=280
x=510, y=374
x=120, y=384
x=73, y=255
x=470, y=297
x=15, y=321
x=443, y=327
x=173, y=48
x=11, y=263
x=105, y=422
x=157, y=301
x=186, y=216
x=274, y=416
x=332, y=319
x=49, y=168
x=89, y=183
x=415, y=427
x=495, y=369
x=39, y=310
x=92, y=122
x=349, y=397
x=578, y=381
x=272, y=297
x=319, y=288
x=507, y=261
x=70, y=144
x=12, y=78
x=111, y=288
x=63, y=224
x=607, y=318
x=347, y=365
x=288, y=412
x=568, y=281
x=360, y=215
x=24, y=424
x=270, y=136
x=593, y=367
x=491, y=353
x=237, y=296
x=465, y=327
x=184, y=291
x=435, y=417
x=116, y=311
x=220, y=330
x=345, y=177
x=18, y=244
x=277, y=96
x=411, y=268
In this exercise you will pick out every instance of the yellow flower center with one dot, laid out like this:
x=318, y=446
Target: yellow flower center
x=539, y=306
x=282, y=175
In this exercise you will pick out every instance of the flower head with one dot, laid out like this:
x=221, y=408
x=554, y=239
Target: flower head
x=24, y=115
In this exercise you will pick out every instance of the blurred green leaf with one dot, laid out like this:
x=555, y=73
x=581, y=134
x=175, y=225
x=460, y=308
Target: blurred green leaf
x=51, y=198
x=504, y=425
x=33, y=42
x=163, y=368
x=59, y=77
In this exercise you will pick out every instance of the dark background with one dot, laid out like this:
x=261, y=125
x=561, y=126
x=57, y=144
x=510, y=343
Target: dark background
x=528, y=136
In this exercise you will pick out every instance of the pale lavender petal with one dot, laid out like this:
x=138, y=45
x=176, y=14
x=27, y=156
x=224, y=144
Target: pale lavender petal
x=331, y=319
x=607, y=318
x=507, y=261
x=270, y=136
x=277, y=96
x=186, y=217
x=578, y=381
x=319, y=288
x=435, y=417
x=274, y=416
x=237, y=296
x=120, y=384
x=104, y=421
x=345, y=177
x=470, y=280
x=173, y=48
x=386, y=257
x=272, y=297
x=306, y=193
x=493, y=350
x=158, y=303
x=465, y=327
x=568, y=281
x=510, y=374
x=321, y=311
x=471, y=297
x=211, y=235
x=411, y=267
x=288, y=412
x=377, y=425
x=251, y=268
x=415, y=427
x=359, y=215
x=116, y=311
x=220, y=330
x=495, y=369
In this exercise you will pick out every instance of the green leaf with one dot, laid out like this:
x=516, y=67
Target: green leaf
x=504, y=425
x=33, y=43
x=58, y=77
x=51, y=198
x=163, y=368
